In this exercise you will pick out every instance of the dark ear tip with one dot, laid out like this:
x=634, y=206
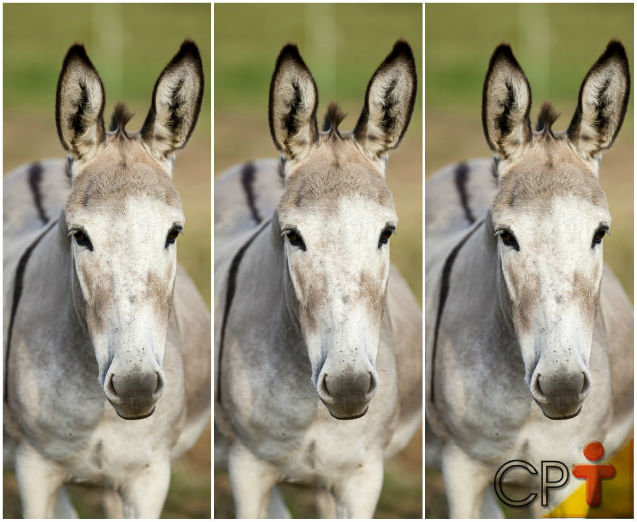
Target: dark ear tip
x=402, y=48
x=615, y=49
x=503, y=51
x=289, y=51
x=77, y=50
x=188, y=49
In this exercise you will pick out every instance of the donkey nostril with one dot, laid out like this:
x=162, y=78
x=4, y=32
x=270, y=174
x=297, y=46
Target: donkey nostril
x=586, y=385
x=537, y=388
x=323, y=387
x=111, y=385
x=372, y=384
x=160, y=384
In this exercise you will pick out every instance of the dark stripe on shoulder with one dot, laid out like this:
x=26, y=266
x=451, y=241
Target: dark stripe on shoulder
x=17, y=293
x=461, y=176
x=232, y=286
x=247, y=180
x=444, y=292
x=35, y=177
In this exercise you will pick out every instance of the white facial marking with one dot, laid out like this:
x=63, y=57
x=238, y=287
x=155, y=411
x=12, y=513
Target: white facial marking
x=553, y=281
x=340, y=281
x=126, y=279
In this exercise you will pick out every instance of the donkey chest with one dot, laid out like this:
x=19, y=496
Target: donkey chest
x=113, y=452
x=326, y=450
x=109, y=452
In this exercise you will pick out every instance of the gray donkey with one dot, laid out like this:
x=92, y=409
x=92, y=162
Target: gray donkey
x=317, y=337
x=529, y=340
x=107, y=341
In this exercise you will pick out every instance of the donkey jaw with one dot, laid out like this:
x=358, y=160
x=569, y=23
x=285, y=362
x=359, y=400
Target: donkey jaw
x=563, y=417
x=140, y=417
x=352, y=417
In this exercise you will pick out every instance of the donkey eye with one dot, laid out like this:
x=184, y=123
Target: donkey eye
x=295, y=239
x=172, y=235
x=385, y=235
x=82, y=239
x=508, y=239
x=599, y=235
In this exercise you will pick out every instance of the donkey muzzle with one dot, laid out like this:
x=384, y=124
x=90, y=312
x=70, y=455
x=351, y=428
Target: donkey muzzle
x=347, y=396
x=560, y=395
x=133, y=395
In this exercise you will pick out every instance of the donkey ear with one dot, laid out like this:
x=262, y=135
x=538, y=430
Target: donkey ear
x=175, y=104
x=79, y=104
x=292, y=106
x=389, y=103
x=601, y=107
x=506, y=104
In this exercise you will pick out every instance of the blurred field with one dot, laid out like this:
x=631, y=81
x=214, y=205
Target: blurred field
x=555, y=45
x=129, y=45
x=342, y=45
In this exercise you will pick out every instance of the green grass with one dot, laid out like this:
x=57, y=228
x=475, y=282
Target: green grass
x=129, y=45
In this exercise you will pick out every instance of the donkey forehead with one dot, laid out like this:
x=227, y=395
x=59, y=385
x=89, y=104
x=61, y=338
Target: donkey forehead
x=334, y=170
x=121, y=171
x=548, y=170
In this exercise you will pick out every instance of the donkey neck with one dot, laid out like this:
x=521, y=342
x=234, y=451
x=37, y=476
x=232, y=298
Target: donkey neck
x=51, y=266
x=480, y=256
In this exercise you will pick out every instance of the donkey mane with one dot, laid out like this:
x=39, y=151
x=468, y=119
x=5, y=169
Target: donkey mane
x=121, y=116
x=545, y=120
x=333, y=118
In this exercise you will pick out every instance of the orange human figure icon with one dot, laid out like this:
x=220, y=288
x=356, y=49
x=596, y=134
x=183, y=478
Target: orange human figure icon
x=594, y=473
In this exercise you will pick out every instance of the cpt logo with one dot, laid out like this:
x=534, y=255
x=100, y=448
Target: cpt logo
x=592, y=473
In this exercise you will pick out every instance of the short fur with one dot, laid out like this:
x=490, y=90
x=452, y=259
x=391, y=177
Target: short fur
x=79, y=105
x=176, y=103
x=506, y=104
x=333, y=118
x=547, y=117
x=389, y=102
x=121, y=116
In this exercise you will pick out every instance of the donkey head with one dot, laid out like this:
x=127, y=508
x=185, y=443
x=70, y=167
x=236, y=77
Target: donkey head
x=335, y=220
x=123, y=217
x=550, y=216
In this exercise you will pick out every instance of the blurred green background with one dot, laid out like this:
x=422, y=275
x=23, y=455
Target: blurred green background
x=556, y=44
x=342, y=45
x=129, y=45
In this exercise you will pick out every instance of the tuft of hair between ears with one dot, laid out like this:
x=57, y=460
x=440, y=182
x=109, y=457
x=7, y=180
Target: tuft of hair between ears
x=547, y=117
x=333, y=118
x=121, y=116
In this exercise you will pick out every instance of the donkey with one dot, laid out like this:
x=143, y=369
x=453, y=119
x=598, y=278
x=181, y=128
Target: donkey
x=529, y=336
x=107, y=341
x=317, y=337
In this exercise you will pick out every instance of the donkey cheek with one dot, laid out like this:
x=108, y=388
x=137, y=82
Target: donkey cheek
x=97, y=304
x=584, y=294
x=158, y=293
x=310, y=309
